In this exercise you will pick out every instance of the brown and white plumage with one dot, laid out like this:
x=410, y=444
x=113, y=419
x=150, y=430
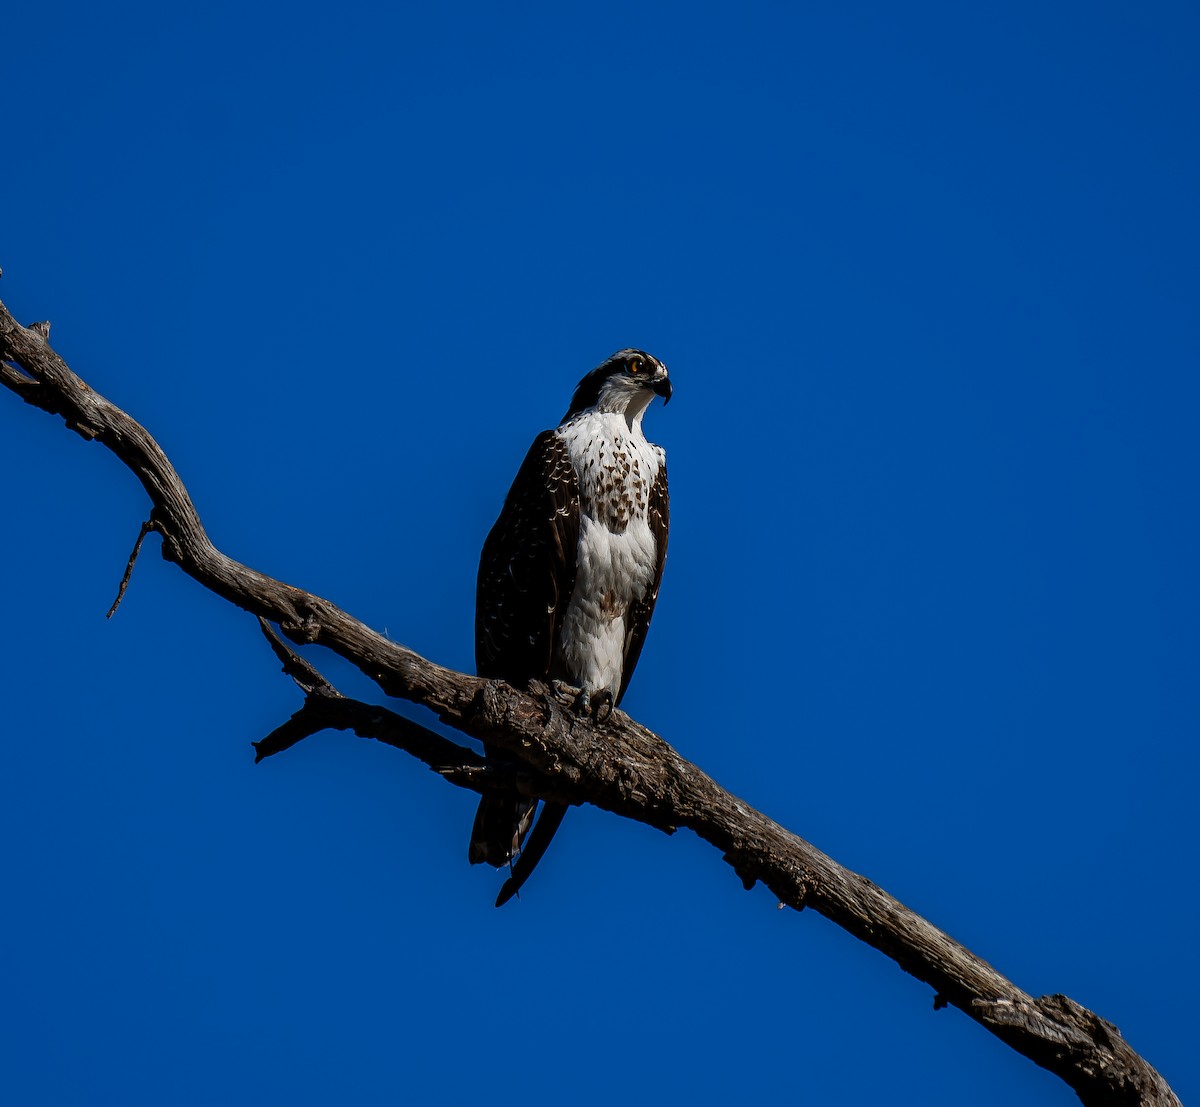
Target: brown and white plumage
x=571, y=570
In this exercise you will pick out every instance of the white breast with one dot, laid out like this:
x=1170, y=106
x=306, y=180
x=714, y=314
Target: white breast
x=617, y=554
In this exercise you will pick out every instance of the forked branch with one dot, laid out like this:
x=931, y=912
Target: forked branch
x=621, y=767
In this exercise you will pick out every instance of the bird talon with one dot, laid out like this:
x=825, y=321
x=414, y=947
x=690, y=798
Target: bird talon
x=599, y=705
x=562, y=688
x=602, y=706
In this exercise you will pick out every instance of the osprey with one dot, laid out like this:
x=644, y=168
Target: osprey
x=570, y=573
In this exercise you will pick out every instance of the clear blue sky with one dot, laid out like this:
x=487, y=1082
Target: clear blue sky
x=926, y=279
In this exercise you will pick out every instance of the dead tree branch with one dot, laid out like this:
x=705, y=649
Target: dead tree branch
x=147, y=527
x=325, y=708
x=621, y=766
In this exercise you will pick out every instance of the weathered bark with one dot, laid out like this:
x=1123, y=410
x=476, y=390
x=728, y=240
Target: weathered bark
x=619, y=766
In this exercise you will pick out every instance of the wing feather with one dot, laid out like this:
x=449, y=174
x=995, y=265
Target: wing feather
x=527, y=567
x=526, y=575
x=658, y=515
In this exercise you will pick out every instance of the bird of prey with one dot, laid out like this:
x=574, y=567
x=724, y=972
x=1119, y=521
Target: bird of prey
x=570, y=573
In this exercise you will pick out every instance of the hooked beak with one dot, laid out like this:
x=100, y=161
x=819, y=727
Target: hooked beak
x=662, y=387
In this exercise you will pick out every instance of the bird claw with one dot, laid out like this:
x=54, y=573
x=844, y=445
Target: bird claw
x=599, y=705
x=570, y=691
x=602, y=706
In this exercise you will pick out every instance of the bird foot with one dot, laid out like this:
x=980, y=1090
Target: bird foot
x=599, y=705
x=602, y=706
x=570, y=691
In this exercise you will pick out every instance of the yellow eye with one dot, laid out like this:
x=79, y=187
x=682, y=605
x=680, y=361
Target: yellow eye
x=635, y=366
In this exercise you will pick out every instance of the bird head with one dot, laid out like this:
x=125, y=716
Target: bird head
x=624, y=384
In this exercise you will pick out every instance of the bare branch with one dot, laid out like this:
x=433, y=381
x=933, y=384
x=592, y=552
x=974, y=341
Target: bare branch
x=619, y=766
x=325, y=708
x=301, y=671
x=147, y=527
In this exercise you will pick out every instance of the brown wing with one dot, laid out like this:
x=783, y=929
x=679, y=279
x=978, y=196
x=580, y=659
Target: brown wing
x=638, y=621
x=527, y=568
x=526, y=574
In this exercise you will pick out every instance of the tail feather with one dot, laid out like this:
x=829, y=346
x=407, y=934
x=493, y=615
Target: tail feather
x=501, y=823
x=551, y=818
